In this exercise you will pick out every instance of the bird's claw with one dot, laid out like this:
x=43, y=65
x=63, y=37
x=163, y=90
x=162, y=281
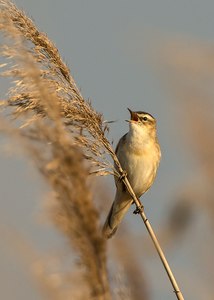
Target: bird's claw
x=138, y=210
x=123, y=175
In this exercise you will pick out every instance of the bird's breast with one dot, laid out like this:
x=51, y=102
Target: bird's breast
x=141, y=164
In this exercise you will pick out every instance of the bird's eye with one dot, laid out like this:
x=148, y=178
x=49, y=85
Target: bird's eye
x=145, y=118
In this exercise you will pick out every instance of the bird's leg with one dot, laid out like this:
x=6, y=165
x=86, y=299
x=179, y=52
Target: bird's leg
x=139, y=209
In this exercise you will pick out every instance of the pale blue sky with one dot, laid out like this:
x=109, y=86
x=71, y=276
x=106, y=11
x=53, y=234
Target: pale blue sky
x=106, y=45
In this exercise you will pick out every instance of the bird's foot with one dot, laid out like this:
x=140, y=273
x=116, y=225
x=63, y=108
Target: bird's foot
x=123, y=175
x=138, y=210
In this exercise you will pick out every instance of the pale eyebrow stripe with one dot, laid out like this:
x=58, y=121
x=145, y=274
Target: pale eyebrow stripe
x=148, y=117
x=145, y=113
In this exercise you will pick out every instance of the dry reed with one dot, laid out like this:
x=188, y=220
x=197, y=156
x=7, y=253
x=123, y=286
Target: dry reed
x=133, y=272
x=50, y=127
x=67, y=139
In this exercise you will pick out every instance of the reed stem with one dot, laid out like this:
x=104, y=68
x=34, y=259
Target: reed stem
x=151, y=232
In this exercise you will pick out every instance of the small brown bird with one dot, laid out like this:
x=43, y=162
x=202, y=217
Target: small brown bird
x=139, y=154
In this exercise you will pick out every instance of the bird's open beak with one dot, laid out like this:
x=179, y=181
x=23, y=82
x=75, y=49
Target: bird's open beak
x=134, y=116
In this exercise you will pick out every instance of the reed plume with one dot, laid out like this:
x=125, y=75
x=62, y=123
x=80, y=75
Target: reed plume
x=61, y=132
x=66, y=138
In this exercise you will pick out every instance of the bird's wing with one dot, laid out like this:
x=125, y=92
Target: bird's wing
x=120, y=143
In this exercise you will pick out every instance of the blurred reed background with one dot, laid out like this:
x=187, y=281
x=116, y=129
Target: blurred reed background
x=85, y=267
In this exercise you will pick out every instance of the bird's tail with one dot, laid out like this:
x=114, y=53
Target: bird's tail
x=118, y=209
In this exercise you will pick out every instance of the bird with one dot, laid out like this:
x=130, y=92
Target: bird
x=138, y=152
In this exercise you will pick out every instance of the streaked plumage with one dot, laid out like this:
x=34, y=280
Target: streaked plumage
x=139, y=154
